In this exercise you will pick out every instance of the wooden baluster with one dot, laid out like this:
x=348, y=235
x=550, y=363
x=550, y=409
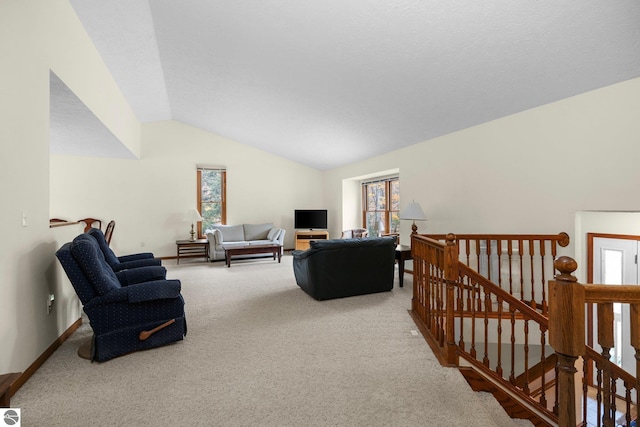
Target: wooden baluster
x=418, y=277
x=440, y=308
x=469, y=293
x=543, y=344
x=435, y=291
x=487, y=304
x=627, y=399
x=479, y=300
x=499, y=255
x=461, y=290
x=451, y=278
x=433, y=288
x=512, y=376
x=634, y=332
x=525, y=387
x=521, y=247
x=599, y=392
x=612, y=410
x=478, y=255
x=542, y=277
x=585, y=392
x=421, y=283
x=476, y=296
x=510, y=254
x=430, y=303
x=424, y=280
x=499, y=361
x=426, y=287
x=566, y=334
x=488, y=266
x=554, y=253
x=532, y=278
x=605, y=339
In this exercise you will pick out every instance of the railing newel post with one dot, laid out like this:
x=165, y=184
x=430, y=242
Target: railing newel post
x=566, y=334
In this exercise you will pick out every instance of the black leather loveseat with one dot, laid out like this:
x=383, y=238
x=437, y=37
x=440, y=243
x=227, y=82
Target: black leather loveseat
x=342, y=268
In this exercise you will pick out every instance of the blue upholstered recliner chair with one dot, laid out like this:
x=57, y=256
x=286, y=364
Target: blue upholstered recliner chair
x=129, y=310
x=123, y=262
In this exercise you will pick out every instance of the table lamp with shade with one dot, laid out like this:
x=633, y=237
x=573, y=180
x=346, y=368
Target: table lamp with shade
x=414, y=212
x=193, y=216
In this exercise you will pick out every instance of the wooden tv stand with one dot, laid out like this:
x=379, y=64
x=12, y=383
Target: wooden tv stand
x=304, y=237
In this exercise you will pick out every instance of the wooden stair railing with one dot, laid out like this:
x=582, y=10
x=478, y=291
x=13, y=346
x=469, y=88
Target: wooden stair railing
x=568, y=302
x=518, y=263
x=504, y=345
x=473, y=321
x=596, y=381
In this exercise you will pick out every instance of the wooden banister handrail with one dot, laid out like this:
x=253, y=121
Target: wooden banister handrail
x=601, y=294
x=516, y=304
x=562, y=238
x=615, y=369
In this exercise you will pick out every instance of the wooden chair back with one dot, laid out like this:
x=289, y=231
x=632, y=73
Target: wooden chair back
x=89, y=222
x=109, y=231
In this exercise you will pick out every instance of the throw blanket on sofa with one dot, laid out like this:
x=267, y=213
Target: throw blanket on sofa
x=341, y=268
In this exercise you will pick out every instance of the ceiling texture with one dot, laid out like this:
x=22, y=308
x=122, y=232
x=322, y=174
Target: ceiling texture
x=330, y=82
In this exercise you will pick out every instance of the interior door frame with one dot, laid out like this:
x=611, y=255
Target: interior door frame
x=590, y=266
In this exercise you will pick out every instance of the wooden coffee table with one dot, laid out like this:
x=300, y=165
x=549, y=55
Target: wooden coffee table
x=274, y=249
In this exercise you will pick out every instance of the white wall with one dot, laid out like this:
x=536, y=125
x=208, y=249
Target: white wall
x=149, y=198
x=37, y=36
x=526, y=173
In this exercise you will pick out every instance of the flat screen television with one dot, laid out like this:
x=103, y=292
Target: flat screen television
x=310, y=218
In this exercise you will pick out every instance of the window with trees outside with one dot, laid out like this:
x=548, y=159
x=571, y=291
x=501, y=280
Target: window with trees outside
x=212, y=198
x=381, y=206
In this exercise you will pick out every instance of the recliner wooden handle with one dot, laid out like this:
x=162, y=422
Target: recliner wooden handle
x=146, y=334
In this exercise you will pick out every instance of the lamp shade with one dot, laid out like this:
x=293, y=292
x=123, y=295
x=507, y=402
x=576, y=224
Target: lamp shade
x=193, y=216
x=413, y=211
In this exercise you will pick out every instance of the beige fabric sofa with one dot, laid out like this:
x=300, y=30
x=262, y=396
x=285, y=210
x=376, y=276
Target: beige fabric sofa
x=225, y=236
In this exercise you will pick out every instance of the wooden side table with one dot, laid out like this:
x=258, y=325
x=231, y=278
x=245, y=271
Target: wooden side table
x=403, y=253
x=191, y=248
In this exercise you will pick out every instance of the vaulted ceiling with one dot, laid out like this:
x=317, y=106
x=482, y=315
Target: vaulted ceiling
x=330, y=82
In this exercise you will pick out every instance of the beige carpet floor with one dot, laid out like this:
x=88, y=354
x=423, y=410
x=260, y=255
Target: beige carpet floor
x=260, y=352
